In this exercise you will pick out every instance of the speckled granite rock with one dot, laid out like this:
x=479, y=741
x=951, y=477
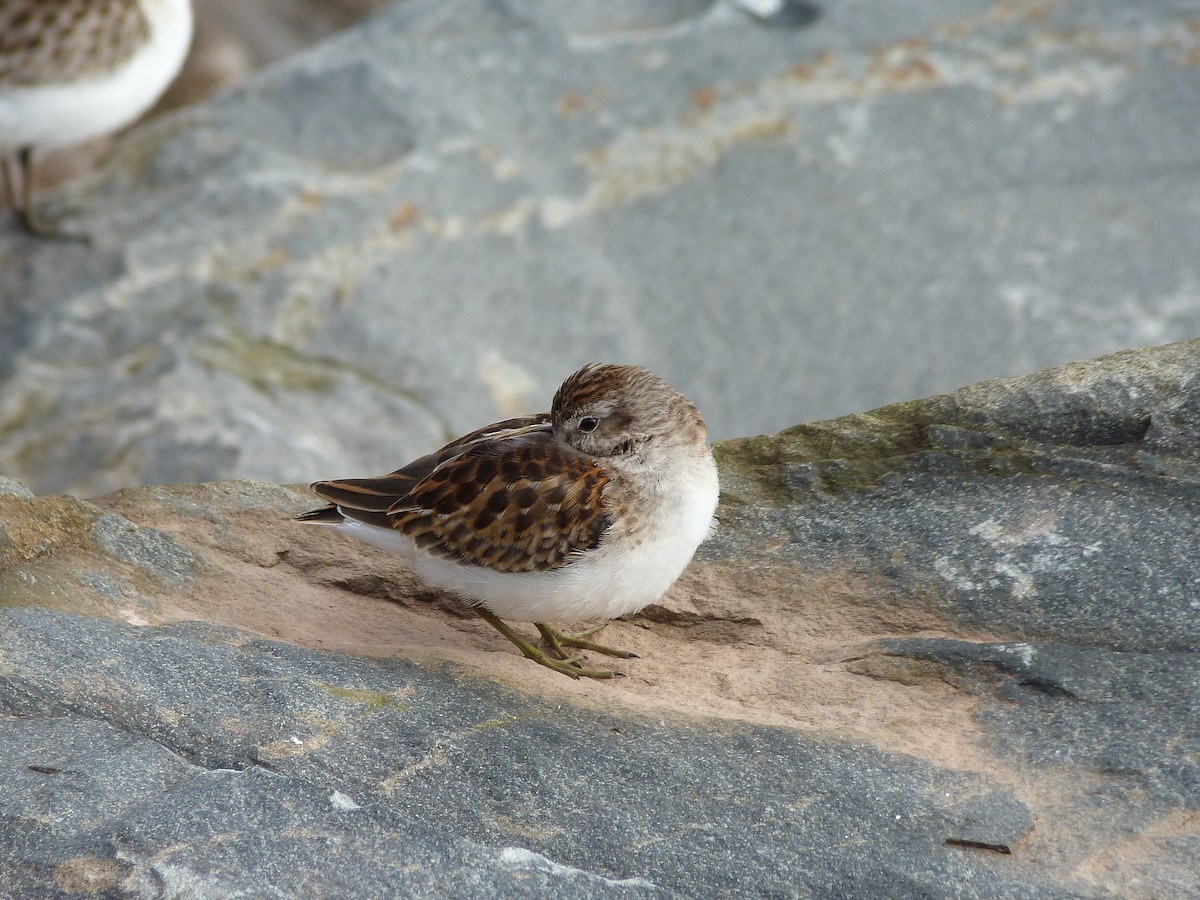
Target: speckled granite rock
x=944, y=648
x=427, y=222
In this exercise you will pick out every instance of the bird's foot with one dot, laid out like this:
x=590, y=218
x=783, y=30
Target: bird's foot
x=568, y=664
x=34, y=225
x=554, y=640
x=24, y=208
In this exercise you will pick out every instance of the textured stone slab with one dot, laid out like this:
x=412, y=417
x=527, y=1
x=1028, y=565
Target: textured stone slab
x=200, y=761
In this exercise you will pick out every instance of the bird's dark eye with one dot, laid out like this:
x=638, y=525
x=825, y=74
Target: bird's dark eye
x=588, y=423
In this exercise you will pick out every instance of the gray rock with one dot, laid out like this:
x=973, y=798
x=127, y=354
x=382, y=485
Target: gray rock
x=13, y=488
x=1051, y=693
x=147, y=548
x=425, y=223
x=946, y=648
x=376, y=778
x=995, y=821
x=1055, y=505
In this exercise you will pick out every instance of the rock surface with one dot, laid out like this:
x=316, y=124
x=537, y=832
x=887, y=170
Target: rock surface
x=945, y=648
x=427, y=222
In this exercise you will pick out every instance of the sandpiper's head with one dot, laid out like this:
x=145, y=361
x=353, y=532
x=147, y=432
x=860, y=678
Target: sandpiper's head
x=624, y=411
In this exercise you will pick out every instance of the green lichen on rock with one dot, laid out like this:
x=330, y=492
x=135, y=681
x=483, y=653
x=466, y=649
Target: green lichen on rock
x=854, y=453
x=269, y=366
x=36, y=532
x=846, y=453
x=59, y=552
x=371, y=700
x=20, y=588
x=35, y=526
x=1134, y=409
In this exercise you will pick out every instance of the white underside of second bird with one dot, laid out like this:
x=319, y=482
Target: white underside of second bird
x=619, y=576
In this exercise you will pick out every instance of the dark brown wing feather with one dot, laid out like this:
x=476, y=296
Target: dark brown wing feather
x=369, y=499
x=509, y=428
x=519, y=505
x=326, y=515
x=509, y=496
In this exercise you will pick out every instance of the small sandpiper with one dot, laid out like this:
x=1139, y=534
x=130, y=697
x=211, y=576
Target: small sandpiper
x=589, y=511
x=71, y=70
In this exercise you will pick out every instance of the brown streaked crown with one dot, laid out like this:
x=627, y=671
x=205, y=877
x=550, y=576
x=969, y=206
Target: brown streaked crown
x=609, y=410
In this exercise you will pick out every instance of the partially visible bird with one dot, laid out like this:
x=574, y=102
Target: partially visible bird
x=71, y=70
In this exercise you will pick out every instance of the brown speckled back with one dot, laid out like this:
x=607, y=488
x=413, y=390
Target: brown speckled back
x=56, y=41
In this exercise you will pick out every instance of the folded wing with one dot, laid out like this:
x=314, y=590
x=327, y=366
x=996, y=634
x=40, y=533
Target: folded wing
x=510, y=497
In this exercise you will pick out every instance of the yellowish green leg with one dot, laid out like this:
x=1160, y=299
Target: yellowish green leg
x=26, y=211
x=10, y=186
x=556, y=640
x=567, y=666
